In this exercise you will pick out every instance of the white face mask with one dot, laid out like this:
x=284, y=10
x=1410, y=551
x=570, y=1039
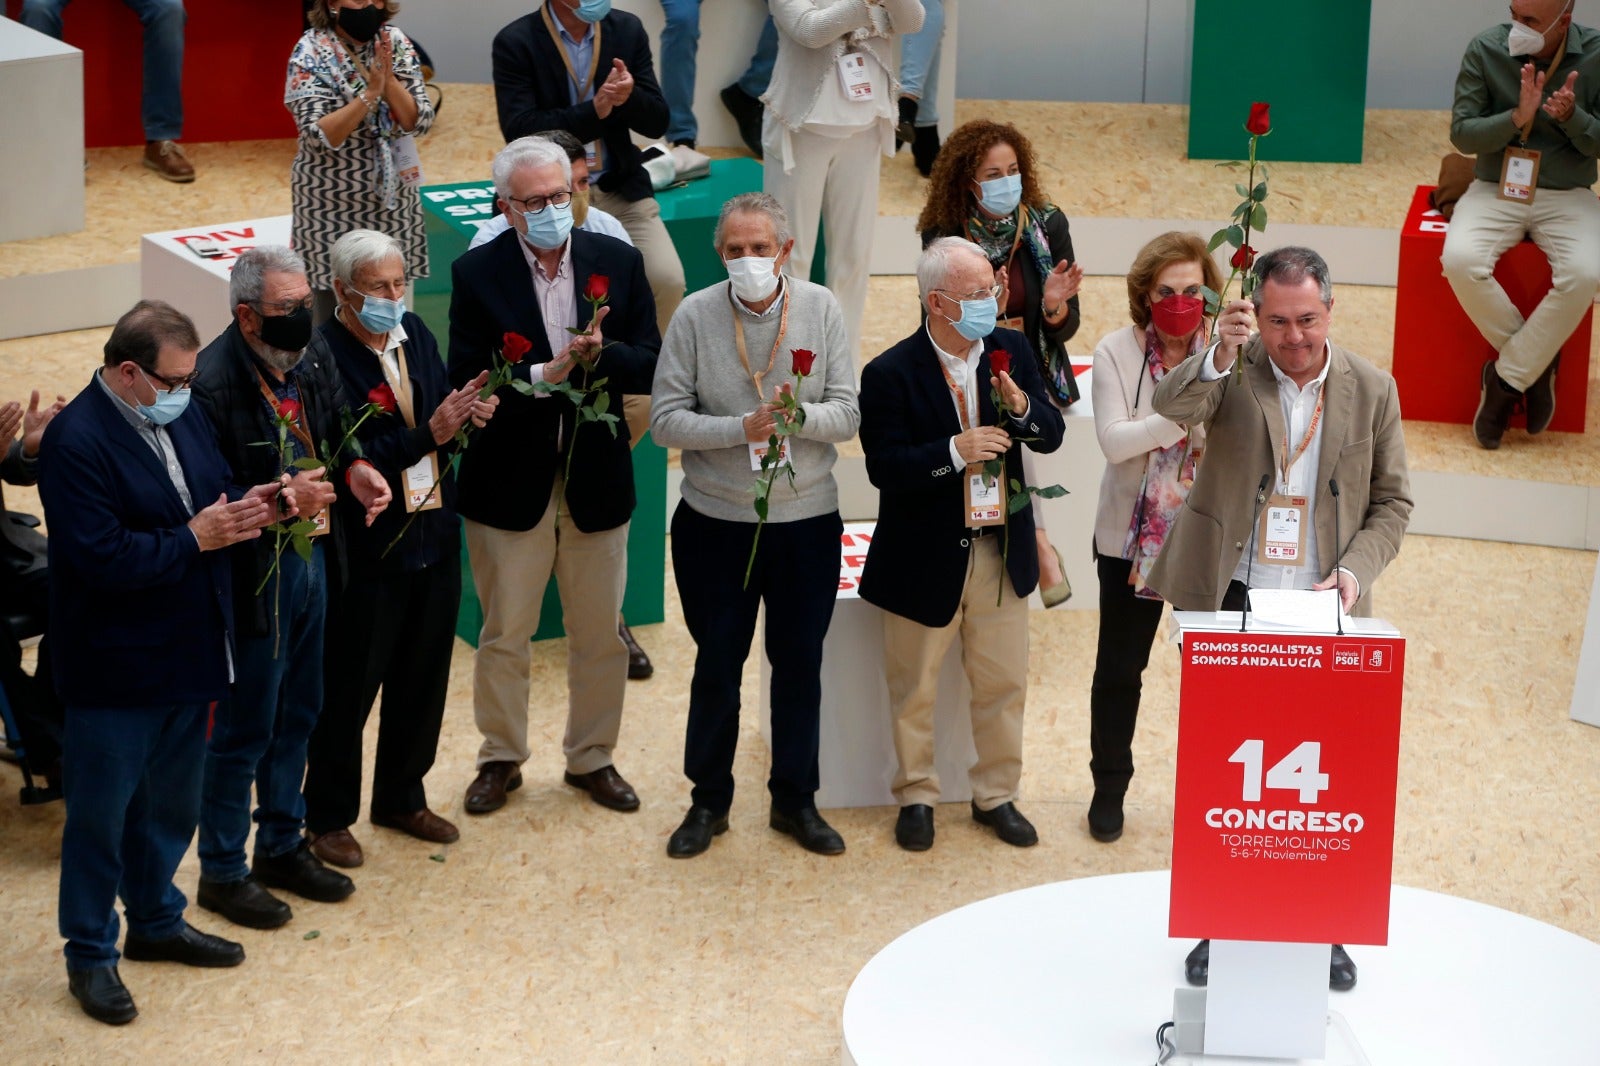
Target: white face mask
x=753, y=277
x=1523, y=41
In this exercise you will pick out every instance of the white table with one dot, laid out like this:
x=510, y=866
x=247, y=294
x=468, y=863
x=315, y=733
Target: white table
x=171, y=267
x=41, y=170
x=1082, y=972
x=856, y=756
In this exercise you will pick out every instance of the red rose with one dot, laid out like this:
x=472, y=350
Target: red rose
x=513, y=346
x=383, y=396
x=803, y=359
x=596, y=288
x=1000, y=361
x=1244, y=258
x=289, y=410
x=1260, y=122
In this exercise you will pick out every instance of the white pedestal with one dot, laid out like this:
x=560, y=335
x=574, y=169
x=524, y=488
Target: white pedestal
x=856, y=756
x=171, y=267
x=1586, y=688
x=41, y=171
x=1076, y=466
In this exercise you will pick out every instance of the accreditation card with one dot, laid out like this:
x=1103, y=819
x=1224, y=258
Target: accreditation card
x=1282, y=536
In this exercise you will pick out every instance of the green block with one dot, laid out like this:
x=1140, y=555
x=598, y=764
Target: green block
x=1309, y=61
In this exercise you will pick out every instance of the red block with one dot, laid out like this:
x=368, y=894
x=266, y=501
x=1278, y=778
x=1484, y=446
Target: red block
x=235, y=60
x=1437, y=349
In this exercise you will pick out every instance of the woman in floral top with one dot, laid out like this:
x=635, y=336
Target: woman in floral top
x=355, y=90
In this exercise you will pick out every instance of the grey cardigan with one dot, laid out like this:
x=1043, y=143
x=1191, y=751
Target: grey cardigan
x=702, y=393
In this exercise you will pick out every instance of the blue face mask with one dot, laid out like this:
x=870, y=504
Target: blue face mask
x=1000, y=196
x=379, y=315
x=548, y=227
x=168, y=405
x=593, y=10
x=977, y=318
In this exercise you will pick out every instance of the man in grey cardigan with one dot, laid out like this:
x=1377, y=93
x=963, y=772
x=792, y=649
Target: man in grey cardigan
x=725, y=379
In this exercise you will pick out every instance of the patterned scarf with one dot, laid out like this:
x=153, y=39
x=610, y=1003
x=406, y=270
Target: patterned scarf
x=1168, y=476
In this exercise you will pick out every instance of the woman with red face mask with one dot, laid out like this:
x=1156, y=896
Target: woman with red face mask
x=1150, y=464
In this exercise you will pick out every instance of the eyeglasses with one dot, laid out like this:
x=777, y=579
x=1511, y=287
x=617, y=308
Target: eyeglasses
x=539, y=203
x=975, y=294
x=172, y=384
x=283, y=307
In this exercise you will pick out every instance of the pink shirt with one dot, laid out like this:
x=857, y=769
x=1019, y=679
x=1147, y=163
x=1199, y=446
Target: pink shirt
x=558, y=301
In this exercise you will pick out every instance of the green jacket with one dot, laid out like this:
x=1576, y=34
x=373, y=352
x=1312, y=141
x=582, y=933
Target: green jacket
x=1487, y=91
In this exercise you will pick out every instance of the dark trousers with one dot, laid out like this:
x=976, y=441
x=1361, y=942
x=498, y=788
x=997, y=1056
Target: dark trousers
x=394, y=631
x=1235, y=598
x=797, y=574
x=132, y=778
x=33, y=699
x=1127, y=628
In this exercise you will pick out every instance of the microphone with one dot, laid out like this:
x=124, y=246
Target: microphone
x=1250, y=560
x=1338, y=554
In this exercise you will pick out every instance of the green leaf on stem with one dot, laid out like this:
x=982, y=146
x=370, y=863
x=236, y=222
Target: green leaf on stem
x=602, y=403
x=1260, y=192
x=992, y=468
x=1217, y=240
x=523, y=388
x=1049, y=492
x=1258, y=217
x=302, y=548
x=1230, y=163
x=761, y=508
x=1213, y=299
x=1236, y=236
x=1016, y=503
x=301, y=528
x=1241, y=190
x=309, y=462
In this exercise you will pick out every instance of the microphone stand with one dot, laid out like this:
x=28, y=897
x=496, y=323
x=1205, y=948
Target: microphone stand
x=1338, y=556
x=1250, y=560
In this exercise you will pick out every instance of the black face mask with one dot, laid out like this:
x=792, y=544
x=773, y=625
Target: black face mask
x=287, y=333
x=361, y=24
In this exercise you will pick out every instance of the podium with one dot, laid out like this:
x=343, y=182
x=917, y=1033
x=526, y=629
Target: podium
x=1283, y=820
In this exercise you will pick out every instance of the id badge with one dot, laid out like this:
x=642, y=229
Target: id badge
x=759, y=451
x=422, y=485
x=1519, y=175
x=1282, y=536
x=984, y=507
x=407, y=162
x=591, y=153
x=855, y=78
x=320, y=520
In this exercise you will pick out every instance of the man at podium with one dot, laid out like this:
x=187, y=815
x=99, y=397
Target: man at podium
x=1304, y=482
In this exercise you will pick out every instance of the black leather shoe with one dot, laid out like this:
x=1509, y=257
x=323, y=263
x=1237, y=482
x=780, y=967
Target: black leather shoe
x=302, y=873
x=1197, y=965
x=244, y=903
x=1540, y=399
x=1341, y=971
x=694, y=835
x=906, y=129
x=807, y=826
x=190, y=947
x=102, y=995
x=1008, y=824
x=639, y=666
x=1105, y=815
x=1496, y=403
x=925, y=148
x=913, y=830
x=606, y=787
x=746, y=111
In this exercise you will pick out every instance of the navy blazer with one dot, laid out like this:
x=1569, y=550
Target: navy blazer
x=509, y=468
x=533, y=93
x=917, y=562
x=139, y=616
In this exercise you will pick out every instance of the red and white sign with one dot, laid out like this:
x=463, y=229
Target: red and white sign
x=1288, y=755
x=189, y=268
x=853, y=544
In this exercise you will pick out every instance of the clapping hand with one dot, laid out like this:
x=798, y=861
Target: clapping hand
x=34, y=421
x=460, y=405
x=10, y=420
x=616, y=90
x=1531, y=94
x=1563, y=101
x=1062, y=284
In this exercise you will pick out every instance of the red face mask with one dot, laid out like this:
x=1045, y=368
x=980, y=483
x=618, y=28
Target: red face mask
x=1178, y=315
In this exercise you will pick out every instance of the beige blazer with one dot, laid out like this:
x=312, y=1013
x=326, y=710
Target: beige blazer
x=1362, y=446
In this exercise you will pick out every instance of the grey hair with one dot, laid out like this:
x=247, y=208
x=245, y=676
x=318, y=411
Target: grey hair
x=569, y=144
x=248, y=281
x=527, y=153
x=363, y=248
x=1292, y=266
x=759, y=203
x=933, y=266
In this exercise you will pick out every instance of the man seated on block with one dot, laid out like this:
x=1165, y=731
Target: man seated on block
x=1297, y=410
x=1528, y=105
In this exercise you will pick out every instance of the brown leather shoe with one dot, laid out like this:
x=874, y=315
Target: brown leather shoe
x=337, y=848
x=607, y=788
x=488, y=790
x=639, y=666
x=168, y=160
x=423, y=824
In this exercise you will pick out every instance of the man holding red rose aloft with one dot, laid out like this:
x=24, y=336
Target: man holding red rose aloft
x=547, y=486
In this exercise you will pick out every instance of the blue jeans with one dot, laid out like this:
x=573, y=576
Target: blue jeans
x=261, y=729
x=680, y=41
x=163, y=57
x=132, y=777
x=919, y=63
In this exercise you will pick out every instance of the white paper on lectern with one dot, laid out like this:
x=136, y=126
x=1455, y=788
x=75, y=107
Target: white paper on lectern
x=1267, y=999
x=1297, y=608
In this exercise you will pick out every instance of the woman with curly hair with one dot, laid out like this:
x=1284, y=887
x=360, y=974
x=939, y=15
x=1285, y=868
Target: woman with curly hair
x=984, y=187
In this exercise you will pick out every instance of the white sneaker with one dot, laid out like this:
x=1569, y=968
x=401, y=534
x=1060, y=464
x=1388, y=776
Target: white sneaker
x=690, y=163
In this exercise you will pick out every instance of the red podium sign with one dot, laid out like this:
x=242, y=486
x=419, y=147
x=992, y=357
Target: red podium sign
x=1288, y=753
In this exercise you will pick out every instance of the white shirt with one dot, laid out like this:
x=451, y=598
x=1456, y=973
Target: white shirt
x=596, y=221
x=962, y=370
x=1298, y=406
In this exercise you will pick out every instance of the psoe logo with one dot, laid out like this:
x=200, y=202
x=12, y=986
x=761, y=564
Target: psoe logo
x=1347, y=656
x=1377, y=658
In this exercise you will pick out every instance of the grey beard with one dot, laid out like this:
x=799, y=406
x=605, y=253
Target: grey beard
x=276, y=358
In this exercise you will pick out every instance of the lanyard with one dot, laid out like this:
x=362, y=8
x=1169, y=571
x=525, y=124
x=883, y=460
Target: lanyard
x=1311, y=431
x=744, y=354
x=960, y=394
x=296, y=426
x=587, y=84
x=400, y=385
